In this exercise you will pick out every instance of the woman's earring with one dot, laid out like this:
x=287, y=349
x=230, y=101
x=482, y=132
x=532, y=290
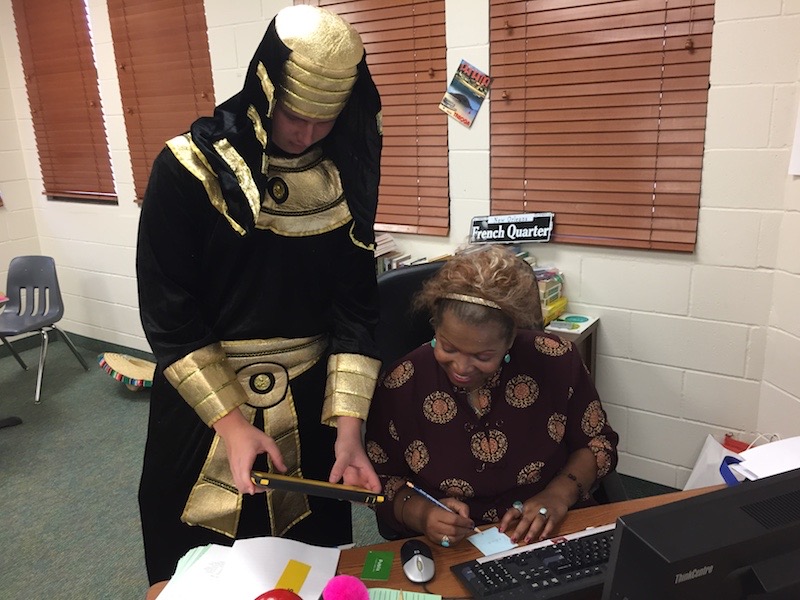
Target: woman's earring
x=507, y=358
x=433, y=342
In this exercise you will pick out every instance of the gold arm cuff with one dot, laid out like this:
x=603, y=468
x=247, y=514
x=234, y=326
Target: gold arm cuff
x=207, y=382
x=349, y=387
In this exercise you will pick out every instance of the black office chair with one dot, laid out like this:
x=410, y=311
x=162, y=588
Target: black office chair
x=610, y=489
x=34, y=304
x=399, y=329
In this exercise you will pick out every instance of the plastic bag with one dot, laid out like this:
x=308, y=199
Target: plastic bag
x=706, y=468
x=716, y=458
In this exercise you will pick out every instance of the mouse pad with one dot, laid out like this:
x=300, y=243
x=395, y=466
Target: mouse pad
x=377, y=565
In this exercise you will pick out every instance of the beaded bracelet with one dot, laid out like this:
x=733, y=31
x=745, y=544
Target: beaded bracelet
x=403, y=508
x=569, y=475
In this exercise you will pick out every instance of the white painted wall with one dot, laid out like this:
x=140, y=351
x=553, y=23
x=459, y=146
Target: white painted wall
x=18, y=234
x=708, y=342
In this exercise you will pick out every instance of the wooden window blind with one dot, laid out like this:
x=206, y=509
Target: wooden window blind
x=406, y=52
x=164, y=70
x=61, y=81
x=598, y=114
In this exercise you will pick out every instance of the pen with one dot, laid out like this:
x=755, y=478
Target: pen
x=427, y=496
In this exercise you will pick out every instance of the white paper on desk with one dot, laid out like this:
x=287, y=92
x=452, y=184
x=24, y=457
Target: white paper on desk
x=491, y=541
x=255, y=565
x=203, y=578
x=389, y=594
x=769, y=459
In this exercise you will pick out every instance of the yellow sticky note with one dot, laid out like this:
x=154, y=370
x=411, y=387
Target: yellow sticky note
x=293, y=576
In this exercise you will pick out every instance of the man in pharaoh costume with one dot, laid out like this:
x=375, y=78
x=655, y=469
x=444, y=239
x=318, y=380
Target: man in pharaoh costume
x=258, y=297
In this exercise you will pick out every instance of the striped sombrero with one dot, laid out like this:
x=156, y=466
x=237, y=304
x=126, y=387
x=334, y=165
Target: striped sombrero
x=135, y=373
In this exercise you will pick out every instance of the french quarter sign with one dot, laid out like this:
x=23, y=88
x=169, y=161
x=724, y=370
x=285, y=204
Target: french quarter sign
x=512, y=229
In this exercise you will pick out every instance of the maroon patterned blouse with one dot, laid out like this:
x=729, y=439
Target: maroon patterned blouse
x=534, y=412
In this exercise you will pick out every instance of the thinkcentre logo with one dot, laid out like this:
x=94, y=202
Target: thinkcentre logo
x=694, y=574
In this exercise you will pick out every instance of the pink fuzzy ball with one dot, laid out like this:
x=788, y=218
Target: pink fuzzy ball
x=345, y=587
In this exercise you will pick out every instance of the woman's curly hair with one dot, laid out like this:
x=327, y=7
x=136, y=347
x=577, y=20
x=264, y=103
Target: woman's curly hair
x=492, y=273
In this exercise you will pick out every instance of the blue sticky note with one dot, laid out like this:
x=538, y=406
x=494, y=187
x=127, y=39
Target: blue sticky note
x=490, y=541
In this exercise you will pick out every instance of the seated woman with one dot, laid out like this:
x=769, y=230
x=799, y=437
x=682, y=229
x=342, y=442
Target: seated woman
x=497, y=419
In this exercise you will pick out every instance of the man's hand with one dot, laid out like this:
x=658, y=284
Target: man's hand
x=243, y=442
x=352, y=466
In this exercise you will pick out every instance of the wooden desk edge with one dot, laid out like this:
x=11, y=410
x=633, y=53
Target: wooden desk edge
x=445, y=583
x=155, y=589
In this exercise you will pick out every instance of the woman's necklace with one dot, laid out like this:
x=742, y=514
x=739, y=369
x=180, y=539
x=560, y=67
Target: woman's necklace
x=478, y=399
x=474, y=397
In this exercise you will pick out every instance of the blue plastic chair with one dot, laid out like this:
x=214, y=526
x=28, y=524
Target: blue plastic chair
x=34, y=304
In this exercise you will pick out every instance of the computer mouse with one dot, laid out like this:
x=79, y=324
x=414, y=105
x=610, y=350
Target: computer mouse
x=417, y=560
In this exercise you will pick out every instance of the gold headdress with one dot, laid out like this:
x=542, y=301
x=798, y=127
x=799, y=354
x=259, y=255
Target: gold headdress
x=322, y=67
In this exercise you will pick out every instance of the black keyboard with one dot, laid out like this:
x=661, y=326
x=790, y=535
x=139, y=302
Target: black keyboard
x=572, y=566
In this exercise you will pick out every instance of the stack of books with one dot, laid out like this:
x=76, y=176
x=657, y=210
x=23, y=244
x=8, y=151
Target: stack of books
x=551, y=286
x=384, y=244
x=388, y=256
x=386, y=252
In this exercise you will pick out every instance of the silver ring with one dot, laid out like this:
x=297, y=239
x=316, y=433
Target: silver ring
x=543, y=512
x=445, y=541
x=519, y=506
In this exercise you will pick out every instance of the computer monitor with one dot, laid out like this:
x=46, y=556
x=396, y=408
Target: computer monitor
x=736, y=543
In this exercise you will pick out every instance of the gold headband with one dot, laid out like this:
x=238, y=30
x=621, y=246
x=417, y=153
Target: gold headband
x=472, y=300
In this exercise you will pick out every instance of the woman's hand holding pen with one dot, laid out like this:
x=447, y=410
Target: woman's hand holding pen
x=421, y=515
x=455, y=525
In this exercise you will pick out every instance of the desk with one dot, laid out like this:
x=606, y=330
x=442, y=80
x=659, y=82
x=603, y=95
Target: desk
x=585, y=342
x=446, y=584
x=351, y=561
